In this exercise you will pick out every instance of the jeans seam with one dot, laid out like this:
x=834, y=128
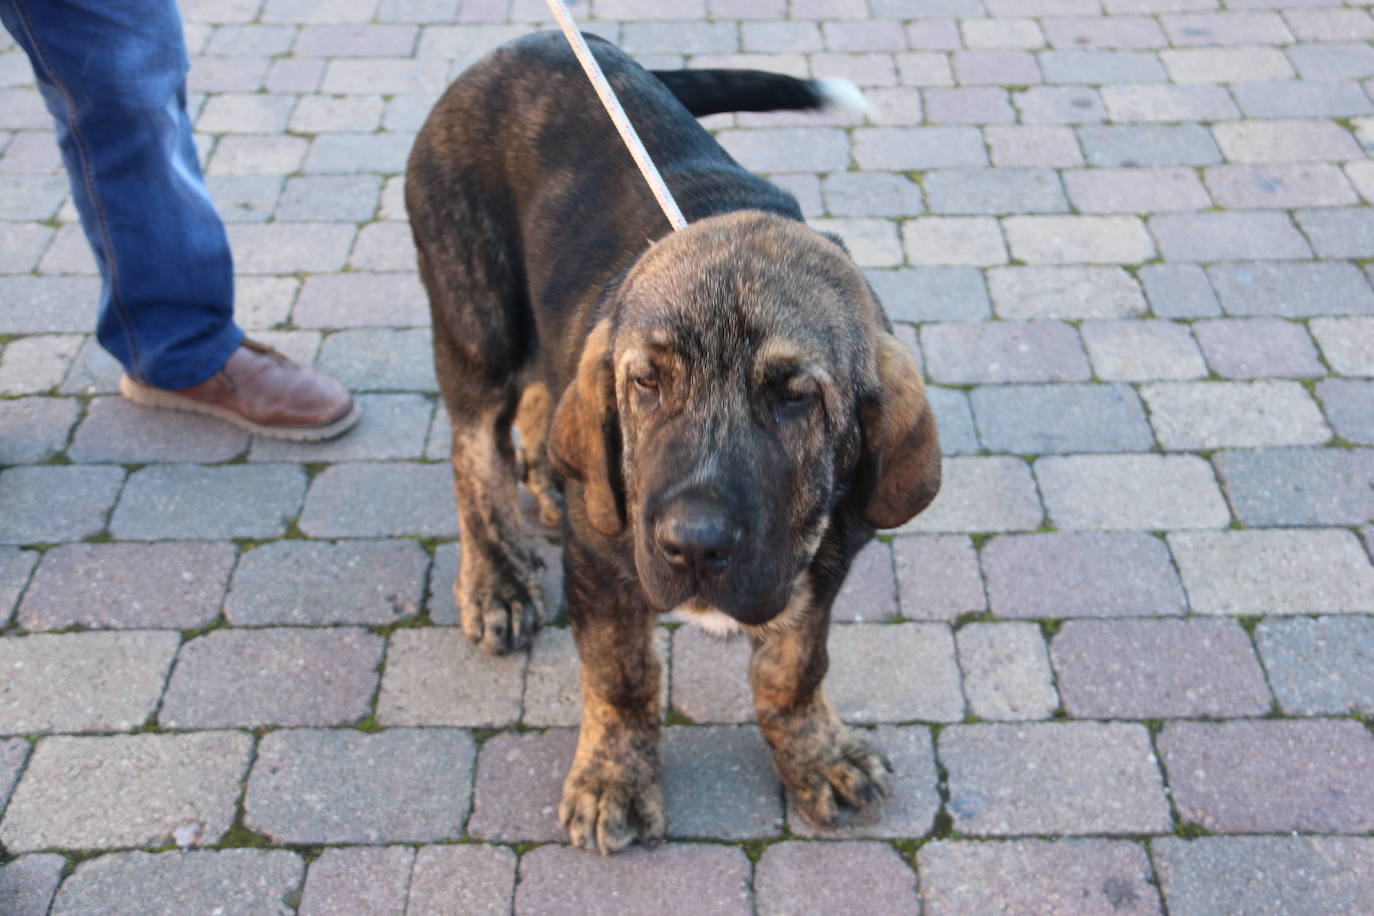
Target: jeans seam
x=88, y=179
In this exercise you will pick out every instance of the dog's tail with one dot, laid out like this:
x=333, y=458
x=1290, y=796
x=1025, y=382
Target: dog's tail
x=706, y=92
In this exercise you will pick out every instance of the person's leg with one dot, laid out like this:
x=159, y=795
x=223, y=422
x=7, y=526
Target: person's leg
x=113, y=74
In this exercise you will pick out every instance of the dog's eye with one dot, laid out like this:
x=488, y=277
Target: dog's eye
x=648, y=382
x=796, y=398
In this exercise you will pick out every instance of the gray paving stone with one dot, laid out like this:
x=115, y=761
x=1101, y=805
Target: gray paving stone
x=172, y=586
x=93, y=371
x=350, y=198
x=856, y=650
x=119, y=431
x=1030, y=145
x=1299, y=486
x=965, y=353
x=1154, y=669
x=719, y=783
x=1078, y=239
x=1292, y=290
x=710, y=678
x=1135, y=190
x=937, y=576
x=1300, y=184
x=35, y=365
x=1225, y=65
x=797, y=149
x=871, y=242
x=104, y=681
x=1124, y=492
x=1065, y=292
x=931, y=293
x=283, y=248
x=241, y=882
x=27, y=884
x=265, y=154
x=34, y=429
x=1302, y=99
x=13, y=754
x=310, y=582
x=440, y=603
x=1329, y=24
x=436, y=676
x=272, y=677
x=552, y=691
x=380, y=359
x=994, y=191
x=392, y=426
x=1148, y=145
x=1350, y=406
x=1210, y=415
x=1258, y=348
x=954, y=420
x=1064, y=778
x=15, y=567
x=1285, y=141
x=796, y=876
x=518, y=785
x=1321, y=875
x=1347, y=343
x=1319, y=666
x=1093, y=65
x=1088, y=876
x=906, y=148
x=993, y=493
x=322, y=113
x=995, y=66
x=914, y=801
x=403, y=499
x=471, y=879
x=126, y=790
x=1136, y=351
x=1038, y=419
x=358, y=880
x=402, y=785
x=871, y=194
x=941, y=241
x=1281, y=571
x=1168, y=102
x=1178, y=291
x=1006, y=671
x=244, y=198
x=1338, y=233
x=869, y=592
x=1122, y=574
x=681, y=878
x=192, y=502
x=1332, y=60
x=1222, y=775
x=36, y=197
x=348, y=153
x=1226, y=29
x=1229, y=236
x=968, y=105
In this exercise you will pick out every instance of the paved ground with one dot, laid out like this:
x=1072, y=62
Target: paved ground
x=1125, y=664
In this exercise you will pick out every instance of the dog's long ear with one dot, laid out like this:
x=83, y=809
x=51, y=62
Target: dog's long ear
x=585, y=443
x=899, y=471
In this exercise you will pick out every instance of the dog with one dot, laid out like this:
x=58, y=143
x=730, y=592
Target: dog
x=723, y=410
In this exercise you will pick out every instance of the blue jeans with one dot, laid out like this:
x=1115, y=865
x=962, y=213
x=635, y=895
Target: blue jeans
x=113, y=74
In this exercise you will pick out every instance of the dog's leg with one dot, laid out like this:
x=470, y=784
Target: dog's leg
x=613, y=792
x=532, y=419
x=823, y=766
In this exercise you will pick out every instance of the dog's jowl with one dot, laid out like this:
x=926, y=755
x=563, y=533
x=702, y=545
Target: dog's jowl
x=723, y=409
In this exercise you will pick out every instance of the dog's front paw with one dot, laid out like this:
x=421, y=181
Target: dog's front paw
x=834, y=782
x=500, y=612
x=606, y=813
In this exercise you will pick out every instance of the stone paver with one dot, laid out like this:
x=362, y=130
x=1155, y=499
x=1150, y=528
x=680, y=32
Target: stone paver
x=1039, y=419
x=1122, y=492
x=719, y=782
x=1318, y=666
x=404, y=498
x=937, y=577
x=930, y=693
x=33, y=430
x=1299, y=486
x=681, y=878
x=1258, y=348
x=27, y=884
x=359, y=879
x=805, y=876
x=345, y=786
x=53, y=503
x=462, y=879
x=1221, y=774
x=1065, y=292
x=235, y=882
x=192, y=502
x=519, y=782
x=969, y=353
x=127, y=790
x=982, y=494
x=438, y=677
x=1210, y=415
x=15, y=567
x=1006, y=671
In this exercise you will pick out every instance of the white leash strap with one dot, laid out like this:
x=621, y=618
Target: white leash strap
x=618, y=116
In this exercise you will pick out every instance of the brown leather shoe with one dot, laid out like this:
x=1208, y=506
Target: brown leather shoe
x=262, y=391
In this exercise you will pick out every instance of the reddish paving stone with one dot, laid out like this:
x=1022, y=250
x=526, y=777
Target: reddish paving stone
x=719, y=782
x=321, y=582
x=27, y=884
x=1266, y=875
x=279, y=676
x=1154, y=669
x=13, y=753
x=870, y=589
x=915, y=800
x=1258, y=348
x=677, y=878
x=797, y=877
x=1272, y=776
x=172, y=585
x=402, y=785
x=1322, y=665
x=127, y=790
x=222, y=881
x=468, y=880
x=15, y=567
x=1082, y=877
x=358, y=880
x=1091, y=574
x=518, y=785
x=1061, y=778
x=710, y=677
x=937, y=576
x=436, y=676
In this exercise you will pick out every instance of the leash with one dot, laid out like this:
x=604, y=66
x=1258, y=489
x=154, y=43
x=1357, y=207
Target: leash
x=618, y=116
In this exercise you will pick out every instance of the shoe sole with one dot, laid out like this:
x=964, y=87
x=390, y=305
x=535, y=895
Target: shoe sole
x=145, y=396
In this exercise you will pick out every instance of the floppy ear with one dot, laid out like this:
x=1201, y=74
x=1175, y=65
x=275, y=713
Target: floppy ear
x=901, y=450
x=585, y=442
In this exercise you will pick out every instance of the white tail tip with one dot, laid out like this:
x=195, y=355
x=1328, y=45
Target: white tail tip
x=842, y=94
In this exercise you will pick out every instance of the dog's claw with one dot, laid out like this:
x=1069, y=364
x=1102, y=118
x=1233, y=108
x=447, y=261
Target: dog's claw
x=605, y=817
x=853, y=782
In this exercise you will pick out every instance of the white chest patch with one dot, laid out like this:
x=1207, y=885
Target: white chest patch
x=717, y=623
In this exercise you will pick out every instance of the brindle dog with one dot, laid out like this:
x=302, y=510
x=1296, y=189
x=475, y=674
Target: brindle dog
x=725, y=407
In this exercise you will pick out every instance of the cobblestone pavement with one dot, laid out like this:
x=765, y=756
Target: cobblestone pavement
x=1124, y=664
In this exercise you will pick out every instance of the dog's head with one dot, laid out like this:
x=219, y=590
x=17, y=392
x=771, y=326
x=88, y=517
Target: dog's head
x=741, y=390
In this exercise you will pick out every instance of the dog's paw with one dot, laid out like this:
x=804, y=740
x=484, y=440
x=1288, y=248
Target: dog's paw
x=504, y=618
x=605, y=814
x=849, y=780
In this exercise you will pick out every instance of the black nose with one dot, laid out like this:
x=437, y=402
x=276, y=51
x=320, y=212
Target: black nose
x=697, y=537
